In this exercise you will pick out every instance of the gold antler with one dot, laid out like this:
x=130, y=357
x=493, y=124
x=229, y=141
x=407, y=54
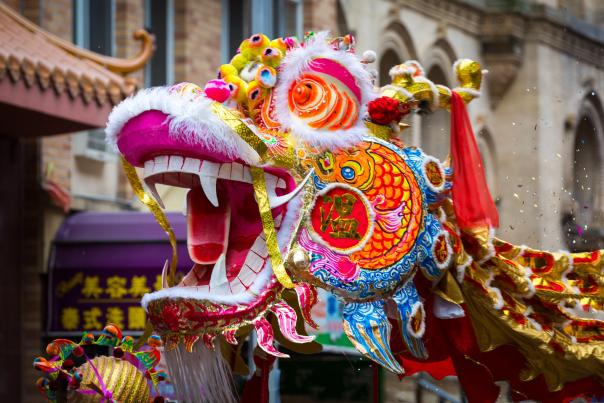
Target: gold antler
x=409, y=84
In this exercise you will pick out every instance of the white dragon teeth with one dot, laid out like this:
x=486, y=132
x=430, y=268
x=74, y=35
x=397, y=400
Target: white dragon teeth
x=208, y=184
x=155, y=194
x=173, y=170
x=164, y=275
x=179, y=171
x=219, y=283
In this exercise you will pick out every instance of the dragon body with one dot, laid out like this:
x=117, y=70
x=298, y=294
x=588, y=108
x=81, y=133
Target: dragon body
x=297, y=180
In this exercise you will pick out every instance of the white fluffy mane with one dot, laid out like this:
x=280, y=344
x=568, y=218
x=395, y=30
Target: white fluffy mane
x=297, y=62
x=190, y=118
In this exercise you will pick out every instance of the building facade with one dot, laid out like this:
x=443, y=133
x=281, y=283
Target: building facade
x=539, y=122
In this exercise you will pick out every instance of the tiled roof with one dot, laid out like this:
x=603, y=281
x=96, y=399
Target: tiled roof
x=40, y=59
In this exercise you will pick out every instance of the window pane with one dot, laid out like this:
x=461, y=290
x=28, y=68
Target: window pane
x=285, y=17
x=100, y=26
x=239, y=23
x=96, y=140
x=158, y=26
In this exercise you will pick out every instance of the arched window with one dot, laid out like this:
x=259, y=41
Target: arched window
x=585, y=224
x=587, y=172
x=396, y=47
x=435, y=127
x=388, y=60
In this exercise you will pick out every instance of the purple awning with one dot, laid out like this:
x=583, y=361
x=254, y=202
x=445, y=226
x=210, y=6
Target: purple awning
x=102, y=263
x=97, y=240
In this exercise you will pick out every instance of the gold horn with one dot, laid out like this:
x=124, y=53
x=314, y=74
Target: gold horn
x=410, y=83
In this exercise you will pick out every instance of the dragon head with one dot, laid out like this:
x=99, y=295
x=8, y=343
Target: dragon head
x=296, y=180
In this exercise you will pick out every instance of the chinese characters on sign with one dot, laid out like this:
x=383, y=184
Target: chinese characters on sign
x=89, y=301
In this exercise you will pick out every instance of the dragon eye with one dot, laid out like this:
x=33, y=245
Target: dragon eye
x=348, y=173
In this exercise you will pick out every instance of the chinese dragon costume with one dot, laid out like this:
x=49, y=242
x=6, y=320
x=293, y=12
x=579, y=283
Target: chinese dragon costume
x=297, y=180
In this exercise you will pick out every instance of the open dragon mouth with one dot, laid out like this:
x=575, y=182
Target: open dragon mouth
x=225, y=236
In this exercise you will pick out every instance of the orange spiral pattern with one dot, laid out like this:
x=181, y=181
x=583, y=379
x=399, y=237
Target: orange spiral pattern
x=392, y=178
x=322, y=102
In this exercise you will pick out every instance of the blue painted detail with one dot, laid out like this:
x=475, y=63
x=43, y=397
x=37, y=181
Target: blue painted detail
x=360, y=320
x=406, y=298
x=348, y=173
x=372, y=283
x=427, y=263
x=317, y=182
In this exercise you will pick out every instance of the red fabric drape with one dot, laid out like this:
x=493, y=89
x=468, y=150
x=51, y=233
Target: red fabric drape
x=472, y=200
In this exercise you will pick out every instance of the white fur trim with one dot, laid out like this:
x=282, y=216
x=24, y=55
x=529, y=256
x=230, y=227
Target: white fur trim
x=399, y=70
x=571, y=267
x=461, y=269
x=417, y=65
x=261, y=281
x=418, y=306
x=315, y=237
x=578, y=312
x=527, y=275
x=532, y=321
x=490, y=247
x=190, y=117
x=442, y=216
x=400, y=90
x=469, y=91
x=429, y=184
x=297, y=62
x=498, y=305
x=447, y=261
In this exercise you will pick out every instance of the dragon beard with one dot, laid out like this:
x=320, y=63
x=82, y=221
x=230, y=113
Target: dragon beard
x=201, y=375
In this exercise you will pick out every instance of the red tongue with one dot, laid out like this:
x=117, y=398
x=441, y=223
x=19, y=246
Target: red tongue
x=207, y=226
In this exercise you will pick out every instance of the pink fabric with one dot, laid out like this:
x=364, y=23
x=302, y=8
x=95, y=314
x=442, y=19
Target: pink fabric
x=146, y=136
x=474, y=206
x=335, y=69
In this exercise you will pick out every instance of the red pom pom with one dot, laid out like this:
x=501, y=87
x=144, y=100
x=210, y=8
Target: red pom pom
x=68, y=364
x=385, y=110
x=78, y=351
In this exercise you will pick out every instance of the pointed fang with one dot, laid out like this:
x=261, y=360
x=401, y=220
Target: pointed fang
x=164, y=275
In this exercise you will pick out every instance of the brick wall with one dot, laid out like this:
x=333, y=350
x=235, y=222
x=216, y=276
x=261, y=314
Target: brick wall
x=320, y=15
x=197, y=40
x=130, y=16
x=57, y=18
